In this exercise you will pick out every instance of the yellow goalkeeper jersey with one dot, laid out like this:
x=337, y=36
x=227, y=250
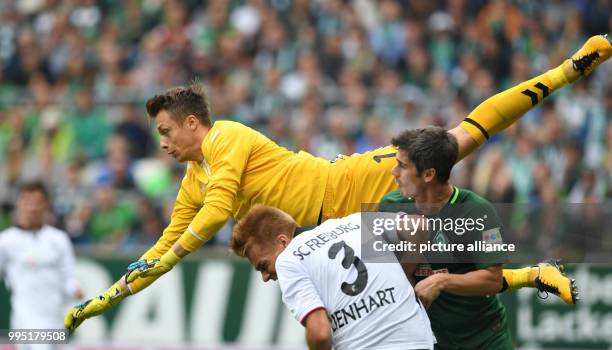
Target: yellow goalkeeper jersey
x=242, y=168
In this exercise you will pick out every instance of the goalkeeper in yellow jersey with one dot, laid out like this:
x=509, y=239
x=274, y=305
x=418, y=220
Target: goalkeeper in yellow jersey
x=232, y=167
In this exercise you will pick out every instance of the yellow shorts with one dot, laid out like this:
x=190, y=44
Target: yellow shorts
x=358, y=179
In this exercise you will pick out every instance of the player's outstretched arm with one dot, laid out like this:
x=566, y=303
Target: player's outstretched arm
x=183, y=213
x=318, y=330
x=227, y=161
x=193, y=223
x=500, y=111
x=139, y=276
x=94, y=306
x=486, y=281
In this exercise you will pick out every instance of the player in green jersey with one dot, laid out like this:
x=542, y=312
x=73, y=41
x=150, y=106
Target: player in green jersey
x=459, y=288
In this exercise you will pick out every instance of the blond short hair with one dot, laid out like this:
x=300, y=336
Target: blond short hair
x=260, y=226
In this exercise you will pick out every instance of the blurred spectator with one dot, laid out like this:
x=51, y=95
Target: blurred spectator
x=279, y=131
x=588, y=189
x=71, y=192
x=148, y=225
x=373, y=136
x=108, y=219
x=135, y=130
x=387, y=38
x=337, y=139
x=267, y=98
x=90, y=126
x=37, y=264
x=117, y=170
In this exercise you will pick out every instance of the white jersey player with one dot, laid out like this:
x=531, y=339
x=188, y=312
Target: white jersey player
x=37, y=266
x=357, y=305
x=38, y=270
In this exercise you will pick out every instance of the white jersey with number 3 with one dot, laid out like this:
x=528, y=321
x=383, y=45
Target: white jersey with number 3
x=370, y=305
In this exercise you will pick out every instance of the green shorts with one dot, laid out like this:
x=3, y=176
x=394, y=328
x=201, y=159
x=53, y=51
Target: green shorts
x=496, y=337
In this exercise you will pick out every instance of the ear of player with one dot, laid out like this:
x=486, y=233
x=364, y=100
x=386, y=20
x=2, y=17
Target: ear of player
x=93, y=307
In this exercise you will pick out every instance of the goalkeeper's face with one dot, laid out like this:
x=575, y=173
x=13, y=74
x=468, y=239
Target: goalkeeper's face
x=263, y=256
x=179, y=139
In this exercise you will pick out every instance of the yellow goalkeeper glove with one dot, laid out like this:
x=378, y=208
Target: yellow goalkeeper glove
x=152, y=267
x=93, y=307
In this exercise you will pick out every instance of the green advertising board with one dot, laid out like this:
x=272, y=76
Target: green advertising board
x=551, y=324
x=213, y=303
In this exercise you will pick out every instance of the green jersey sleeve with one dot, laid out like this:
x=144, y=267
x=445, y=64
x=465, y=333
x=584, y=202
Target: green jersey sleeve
x=486, y=237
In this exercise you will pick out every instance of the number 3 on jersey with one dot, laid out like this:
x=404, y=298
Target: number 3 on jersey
x=349, y=260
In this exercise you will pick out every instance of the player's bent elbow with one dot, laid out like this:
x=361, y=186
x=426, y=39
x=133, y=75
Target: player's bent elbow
x=318, y=330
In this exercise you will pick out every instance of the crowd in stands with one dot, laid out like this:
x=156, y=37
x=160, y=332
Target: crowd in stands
x=324, y=76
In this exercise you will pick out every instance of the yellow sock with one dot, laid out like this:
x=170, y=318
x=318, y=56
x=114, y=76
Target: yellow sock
x=519, y=278
x=499, y=111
